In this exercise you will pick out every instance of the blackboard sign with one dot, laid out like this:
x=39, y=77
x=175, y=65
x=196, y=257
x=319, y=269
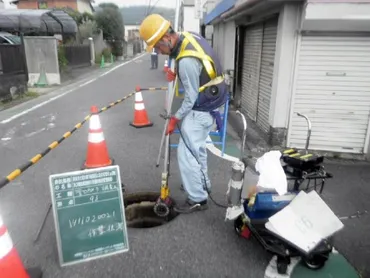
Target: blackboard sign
x=89, y=214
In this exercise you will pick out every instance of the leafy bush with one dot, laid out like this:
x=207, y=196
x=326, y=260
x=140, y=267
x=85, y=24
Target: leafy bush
x=63, y=62
x=109, y=20
x=117, y=48
x=88, y=29
x=106, y=53
x=98, y=58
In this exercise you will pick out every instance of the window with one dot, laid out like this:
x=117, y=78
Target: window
x=42, y=4
x=3, y=41
x=14, y=39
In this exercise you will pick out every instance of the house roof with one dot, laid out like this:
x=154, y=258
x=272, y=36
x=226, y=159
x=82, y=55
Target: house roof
x=43, y=21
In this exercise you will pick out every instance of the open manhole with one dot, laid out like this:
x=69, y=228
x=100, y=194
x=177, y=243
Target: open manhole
x=139, y=210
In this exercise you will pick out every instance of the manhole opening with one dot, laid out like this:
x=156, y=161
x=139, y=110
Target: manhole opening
x=139, y=211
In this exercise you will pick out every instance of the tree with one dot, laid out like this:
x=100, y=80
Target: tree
x=109, y=19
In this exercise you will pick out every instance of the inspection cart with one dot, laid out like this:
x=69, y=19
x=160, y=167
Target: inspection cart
x=304, y=171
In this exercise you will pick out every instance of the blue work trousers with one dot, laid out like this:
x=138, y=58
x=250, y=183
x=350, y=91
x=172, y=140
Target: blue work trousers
x=195, y=129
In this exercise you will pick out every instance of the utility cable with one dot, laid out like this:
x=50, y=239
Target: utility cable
x=152, y=8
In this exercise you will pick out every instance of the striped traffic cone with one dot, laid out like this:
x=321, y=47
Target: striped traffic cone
x=11, y=265
x=97, y=151
x=165, y=68
x=140, y=116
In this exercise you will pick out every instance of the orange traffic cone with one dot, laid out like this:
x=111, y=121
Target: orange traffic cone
x=11, y=265
x=97, y=152
x=165, y=68
x=140, y=116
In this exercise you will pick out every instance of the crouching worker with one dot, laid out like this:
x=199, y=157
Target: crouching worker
x=200, y=73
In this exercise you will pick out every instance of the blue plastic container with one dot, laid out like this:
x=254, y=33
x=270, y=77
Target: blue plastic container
x=267, y=204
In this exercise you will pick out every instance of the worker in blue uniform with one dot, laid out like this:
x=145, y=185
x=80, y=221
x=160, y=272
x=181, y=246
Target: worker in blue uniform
x=200, y=73
x=154, y=59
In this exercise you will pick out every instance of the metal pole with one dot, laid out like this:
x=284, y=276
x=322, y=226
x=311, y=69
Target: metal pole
x=169, y=100
x=308, y=131
x=244, y=133
x=167, y=112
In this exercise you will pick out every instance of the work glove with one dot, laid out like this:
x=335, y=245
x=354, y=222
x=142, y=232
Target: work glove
x=171, y=76
x=172, y=125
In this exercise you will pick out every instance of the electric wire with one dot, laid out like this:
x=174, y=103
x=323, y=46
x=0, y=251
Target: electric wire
x=152, y=7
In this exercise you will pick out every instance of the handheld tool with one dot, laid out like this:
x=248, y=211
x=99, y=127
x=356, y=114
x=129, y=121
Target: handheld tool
x=163, y=205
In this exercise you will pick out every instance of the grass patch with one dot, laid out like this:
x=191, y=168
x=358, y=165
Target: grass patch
x=18, y=99
x=31, y=94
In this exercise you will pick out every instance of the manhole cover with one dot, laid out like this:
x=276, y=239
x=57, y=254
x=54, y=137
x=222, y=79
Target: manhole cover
x=139, y=211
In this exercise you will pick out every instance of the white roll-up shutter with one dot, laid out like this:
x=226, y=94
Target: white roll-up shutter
x=333, y=90
x=267, y=72
x=251, y=69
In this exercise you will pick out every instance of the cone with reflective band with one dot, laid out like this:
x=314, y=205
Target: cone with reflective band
x=97, y=151
x=11, y=265
x=165, y=68
x=140, y=116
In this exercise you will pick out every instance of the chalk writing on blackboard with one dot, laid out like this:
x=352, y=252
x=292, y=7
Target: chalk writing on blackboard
x=89, y=214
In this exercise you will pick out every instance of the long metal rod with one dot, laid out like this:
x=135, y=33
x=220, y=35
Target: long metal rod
x=171, y=92
x=165, y=126
x=43, y=223
x=170, y=96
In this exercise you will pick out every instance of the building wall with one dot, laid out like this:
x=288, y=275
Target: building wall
x=190, y=22
x=278, y=106
x=341, y=17
x=210, y=5
x=84, y=6
x=50, y=4
x=42, y=59
x=224, y=43
x=229, y=45
x=216, y=37
x=286, y=44
x=27, y=5
x=128, y=28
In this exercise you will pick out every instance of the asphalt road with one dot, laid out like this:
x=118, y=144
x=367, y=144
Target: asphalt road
x=197, y=245
x=347, y=193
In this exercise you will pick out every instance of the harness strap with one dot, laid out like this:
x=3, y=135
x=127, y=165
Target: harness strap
x=199, y=53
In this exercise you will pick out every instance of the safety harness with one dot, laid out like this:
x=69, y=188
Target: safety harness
x=208, y=64
x=199, y=53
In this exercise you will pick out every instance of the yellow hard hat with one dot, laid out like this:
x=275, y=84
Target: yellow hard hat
x=153, y=28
